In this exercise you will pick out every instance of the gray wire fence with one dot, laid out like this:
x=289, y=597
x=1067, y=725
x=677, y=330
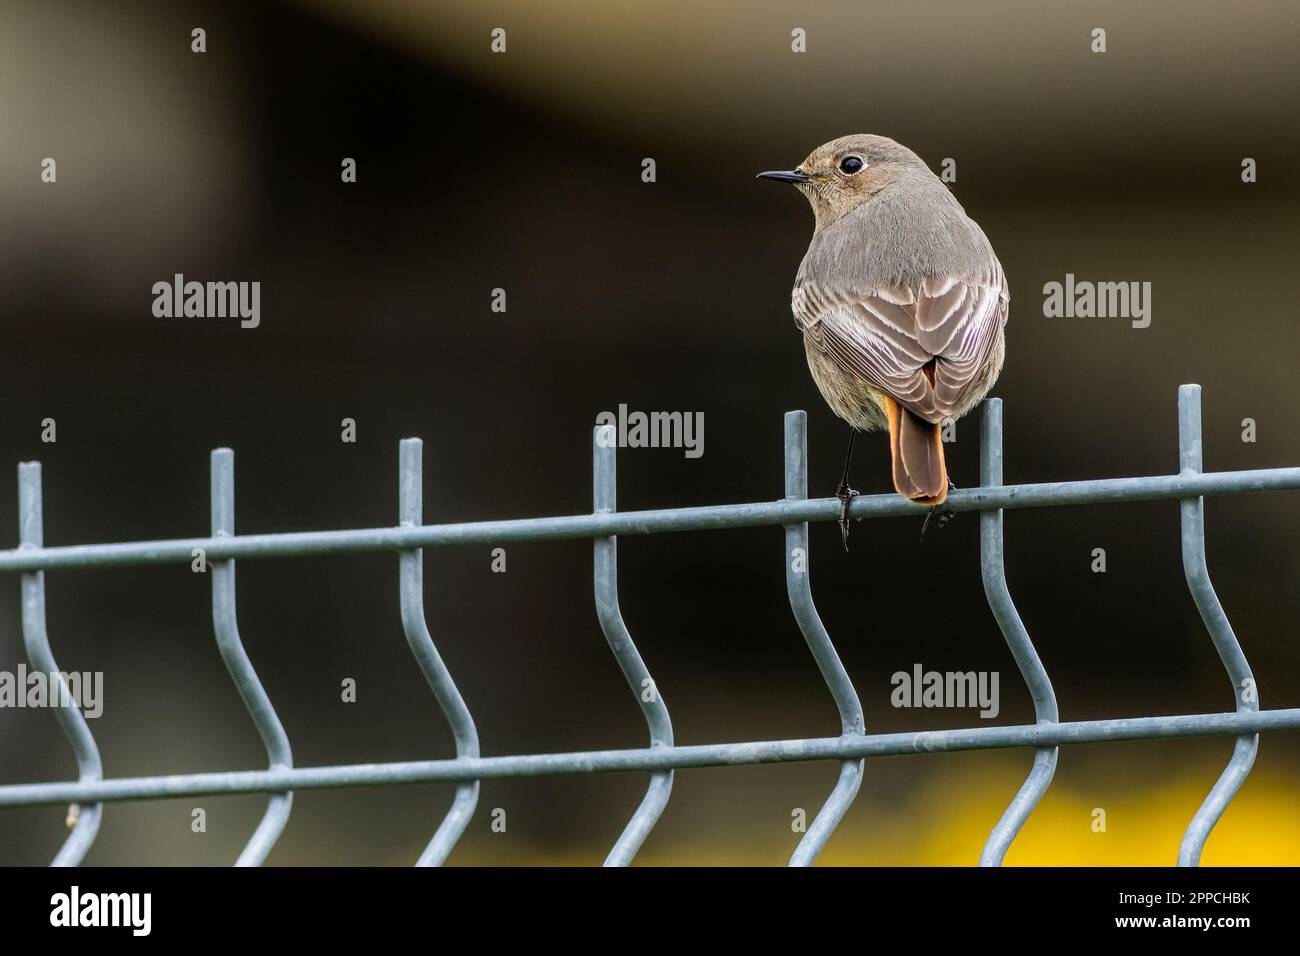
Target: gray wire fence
x=662, y=757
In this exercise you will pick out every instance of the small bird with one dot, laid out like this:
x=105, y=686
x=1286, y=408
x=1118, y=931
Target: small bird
x=901, y=303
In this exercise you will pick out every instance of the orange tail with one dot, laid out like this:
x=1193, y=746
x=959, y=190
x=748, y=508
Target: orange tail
x=916, y=447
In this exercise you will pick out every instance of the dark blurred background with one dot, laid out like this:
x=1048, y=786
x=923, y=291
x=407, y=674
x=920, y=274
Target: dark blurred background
x=522, y=171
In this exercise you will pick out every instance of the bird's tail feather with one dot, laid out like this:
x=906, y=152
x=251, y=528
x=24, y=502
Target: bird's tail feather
x=916, y=446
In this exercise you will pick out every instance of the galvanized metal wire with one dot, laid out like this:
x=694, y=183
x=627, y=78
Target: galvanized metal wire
x=629, y=659
x=994, y=573
x=36, y=640
x=849, y=749
x=410, y=496
x=799, y=590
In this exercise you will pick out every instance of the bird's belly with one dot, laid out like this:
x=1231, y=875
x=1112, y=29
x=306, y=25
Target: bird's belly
x=851, y=398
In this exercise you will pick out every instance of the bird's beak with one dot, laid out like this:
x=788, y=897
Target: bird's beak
x=785, y=176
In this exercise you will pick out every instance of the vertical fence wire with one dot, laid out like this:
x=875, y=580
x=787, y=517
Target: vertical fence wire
x=605, y=501
x=994, y=573
x=799, y=591
x=1197, y=573
x=240, y=668
x=410, y=497
x=36, y=640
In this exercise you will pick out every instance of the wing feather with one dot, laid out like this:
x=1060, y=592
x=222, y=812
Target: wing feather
x=887, y=336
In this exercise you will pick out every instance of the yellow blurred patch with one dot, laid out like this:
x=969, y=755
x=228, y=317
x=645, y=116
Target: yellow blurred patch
x=949, y=820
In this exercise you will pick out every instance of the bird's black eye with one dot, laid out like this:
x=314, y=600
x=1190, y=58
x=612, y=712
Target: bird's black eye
x=850, y=165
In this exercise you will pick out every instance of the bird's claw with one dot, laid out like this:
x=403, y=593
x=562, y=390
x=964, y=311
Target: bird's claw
x=938, y=514
x=845, y=494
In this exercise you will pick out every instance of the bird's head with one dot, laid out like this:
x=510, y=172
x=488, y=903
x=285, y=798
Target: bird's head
x=841, y=175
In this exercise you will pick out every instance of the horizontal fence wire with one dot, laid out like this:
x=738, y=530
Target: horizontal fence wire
x=850, y=749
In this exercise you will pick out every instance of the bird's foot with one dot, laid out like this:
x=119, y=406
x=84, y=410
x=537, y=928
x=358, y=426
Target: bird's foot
x=938, y=514
x=845, y=494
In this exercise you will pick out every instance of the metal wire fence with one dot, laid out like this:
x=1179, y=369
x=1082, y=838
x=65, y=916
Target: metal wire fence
x=31, y=559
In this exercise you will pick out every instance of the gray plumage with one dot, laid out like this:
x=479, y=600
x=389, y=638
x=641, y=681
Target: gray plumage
x=900, y=297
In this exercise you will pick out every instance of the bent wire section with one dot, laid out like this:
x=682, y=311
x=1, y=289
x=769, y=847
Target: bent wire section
x=37, y=642
x=1192, y=524
x=605, y=501
x=799, y=591
x=410, y=498
x=994, y=573
x=251, y=692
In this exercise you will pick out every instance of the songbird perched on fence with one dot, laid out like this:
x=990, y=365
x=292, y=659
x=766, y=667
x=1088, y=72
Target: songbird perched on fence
x=901, y=302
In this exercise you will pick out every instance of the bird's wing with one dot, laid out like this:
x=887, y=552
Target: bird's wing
x=888, y=336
